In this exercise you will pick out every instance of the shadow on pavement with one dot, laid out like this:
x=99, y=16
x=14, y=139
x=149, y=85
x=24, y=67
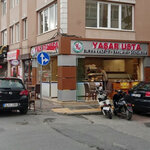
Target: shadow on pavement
x=9, y=113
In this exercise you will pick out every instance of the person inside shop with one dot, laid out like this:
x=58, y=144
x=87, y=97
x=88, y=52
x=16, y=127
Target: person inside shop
x=104, y=78
x=100, y=87
x=14, y=72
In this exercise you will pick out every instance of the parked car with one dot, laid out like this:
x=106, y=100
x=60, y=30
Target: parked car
x=13, y=95
x=141, y=97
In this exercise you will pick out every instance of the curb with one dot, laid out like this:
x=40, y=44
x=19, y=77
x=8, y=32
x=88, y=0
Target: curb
x=67, y=111
x=75, y=108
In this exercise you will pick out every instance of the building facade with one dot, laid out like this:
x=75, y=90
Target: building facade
x=82, y=37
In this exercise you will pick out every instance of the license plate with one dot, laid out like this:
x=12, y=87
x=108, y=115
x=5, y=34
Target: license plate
x=130, y=109
x=105, y=108
x=136, y=95
x=10, y=105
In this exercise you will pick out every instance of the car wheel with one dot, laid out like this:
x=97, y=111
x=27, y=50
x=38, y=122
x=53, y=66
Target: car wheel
x=110, y=114
x=24, y=111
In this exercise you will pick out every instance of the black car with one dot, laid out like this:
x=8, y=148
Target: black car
x=13, y=95
x=141, y=97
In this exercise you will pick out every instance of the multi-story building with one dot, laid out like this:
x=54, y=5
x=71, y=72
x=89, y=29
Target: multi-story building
x=82, y=37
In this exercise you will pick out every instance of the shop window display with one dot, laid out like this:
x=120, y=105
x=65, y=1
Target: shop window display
x=49, y=78
x=27, y=71
x=3, y=70
x=49, y=72
x=105, y=71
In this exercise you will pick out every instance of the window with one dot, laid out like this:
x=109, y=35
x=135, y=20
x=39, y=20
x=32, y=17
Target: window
x=12, y=34
x=52, y=17
x=17, y=32
x=48, y=19
x=4, y=37
x=91, y=14
x=126, y=17
x=103, y=15
x=109, y=15
x=25, y=29
x=11, y=83
x=114, y=16
x=4, y=7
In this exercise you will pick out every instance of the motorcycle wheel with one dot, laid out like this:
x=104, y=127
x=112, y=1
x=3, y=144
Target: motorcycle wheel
x=109, y=114
x=103, y=112
x=128, y=115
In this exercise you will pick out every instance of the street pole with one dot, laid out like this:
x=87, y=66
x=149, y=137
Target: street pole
x=40, y=87
x=50, y=81
x=43, y=59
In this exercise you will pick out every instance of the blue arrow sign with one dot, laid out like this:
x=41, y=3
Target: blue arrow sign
x=43, y=58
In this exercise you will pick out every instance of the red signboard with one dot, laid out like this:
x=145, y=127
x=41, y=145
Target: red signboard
x=49, y=48
x=13, y=55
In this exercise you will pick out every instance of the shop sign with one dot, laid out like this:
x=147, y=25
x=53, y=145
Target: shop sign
x=134, y=83
x=78, y=47
x=13, y=55
x=109, y=48
x=124, y=85
x=15, y=62
x=3, y=51
x=49, y=48
x=1, y=66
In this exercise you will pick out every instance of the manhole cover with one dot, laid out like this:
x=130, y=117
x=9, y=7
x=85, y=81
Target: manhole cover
x=147, y=124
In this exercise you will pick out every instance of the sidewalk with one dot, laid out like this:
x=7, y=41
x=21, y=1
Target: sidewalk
x=70, y=108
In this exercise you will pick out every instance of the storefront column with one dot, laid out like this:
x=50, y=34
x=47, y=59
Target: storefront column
x=66, y=78
x=20, y=70
x=34, y=71
x=9, y=69
x=147, y=69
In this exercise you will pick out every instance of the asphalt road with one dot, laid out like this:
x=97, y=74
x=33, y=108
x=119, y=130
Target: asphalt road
x=46, y=130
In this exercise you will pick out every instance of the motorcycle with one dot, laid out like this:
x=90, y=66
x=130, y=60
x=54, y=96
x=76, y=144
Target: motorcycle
x=104, y=103
x=122, y=104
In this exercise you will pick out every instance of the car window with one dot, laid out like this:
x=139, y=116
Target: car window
x=145, y=87
x=11, y=83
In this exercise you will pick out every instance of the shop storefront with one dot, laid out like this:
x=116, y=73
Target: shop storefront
x=49, y=72
x=3, y=60
x=115, y=65
x=26, y=68
x=14, y=68
x=81, y=65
